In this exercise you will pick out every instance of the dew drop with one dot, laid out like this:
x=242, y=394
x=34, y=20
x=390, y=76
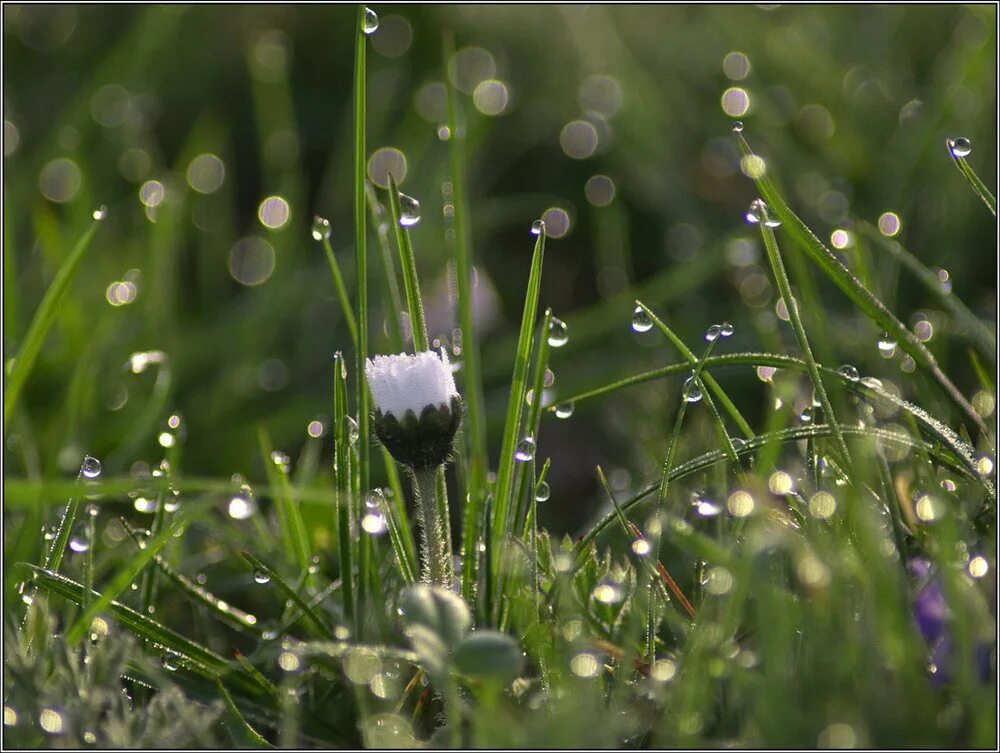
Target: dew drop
x=241, y=507
x=261, y=577
x=705, y=508
x=537, y=227
x=79, y=545
x=712, y=333
x=101, y=212
x=558, y=333
x=849, y=372
x=374, y=523
x=886, y=345
x=758, y=212
x=738, y=126
x=641, y=322
x=352, y=429
x=806, y=416
x=370, y=22
x=984, y=465
x=607, y=592
x=565, y=410
x=960, y=147
x=641, y=547
x=145, y=505
x=168, y=662
x=409, y=210
x=739, y=444
x=91, y=467
x=374, y=499
x=525, y=450
x=726, y=329
x=691, y=391
x=320, y=228
x=542, y=492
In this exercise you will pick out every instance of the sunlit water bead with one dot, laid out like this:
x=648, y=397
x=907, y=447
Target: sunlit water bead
x=558, y=333
x=352, y=429
x=565, y=410
x=607, y=592
x=525, y=450
x=641, y=321
x=79, y=544
x=984, y=466
x=320, y=228
x=929, y=508
x=369, y=25
x=241, y=506
x=713, y=332
x=51, y=721
x=886, y=345
x=726, y=329
x=538, y=227
x=100, y=213
x=281, y=460
x=409, y=210
x=738, y=126
x=960, y=147
x=91, y=467
x=261, y=577
x=691, y=391
x=703, y=507
x=849, y=372
x=542, y=492
x=758, y=212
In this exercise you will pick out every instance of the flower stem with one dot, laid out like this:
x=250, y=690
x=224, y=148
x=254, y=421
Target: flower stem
x=437, y=558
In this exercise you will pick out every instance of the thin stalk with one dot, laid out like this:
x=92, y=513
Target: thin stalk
x=360, y=239
x=338, y=284
x=785, y=289
x=342, y=484
x=411, y=285
x=437, y=560
x=970, y=175
x=58, y=548
x=470, y=347
x=394, y=304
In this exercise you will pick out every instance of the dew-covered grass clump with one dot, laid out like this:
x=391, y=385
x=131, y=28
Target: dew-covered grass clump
x=499, y=376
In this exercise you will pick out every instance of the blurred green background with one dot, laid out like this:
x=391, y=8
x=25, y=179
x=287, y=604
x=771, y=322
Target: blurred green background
x=214, y=134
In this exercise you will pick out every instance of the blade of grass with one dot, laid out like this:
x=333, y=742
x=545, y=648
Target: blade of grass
x=342, y=484
x=239, y=728
x=261, y=566
x=393, y=302
x=968, y=323
x=970, y=175
x=338, y=285
x=692, y=359
x=42, y=322
x=293, y=530
x=129, y=573
x=792, y=305
x=470, y=346
x=361, y=240
x=869, y=304
x=411, y=285
x=501, y=522
x=55, y=554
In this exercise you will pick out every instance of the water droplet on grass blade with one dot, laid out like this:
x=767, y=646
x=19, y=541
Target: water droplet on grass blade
x=960, y=147
x=537, y=227
x=374, y=523
x=738, y=126
x=558, y=333
x=849, y=372
x=691, y=391
x=352, y=429
x=320, y=228
x=100, y=213
x=370, y=23
x=409, y=210
x=261, y=577
x=712, y=333
x=145, y=505
x=886, y=346
x=91, y=467
x=241, y=507
x=564, y=410
x=79, y=544
x=726, y=329
x=542, y=492
x=641, y=322
x=525, y=450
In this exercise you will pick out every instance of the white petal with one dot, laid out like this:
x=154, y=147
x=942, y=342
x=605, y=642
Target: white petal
x=403, y=382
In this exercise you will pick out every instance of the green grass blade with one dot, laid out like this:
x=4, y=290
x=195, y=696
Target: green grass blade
x=342, y=483
x=127, y=574
x=784, y=287
x=512, y=424
x=970, y=175
x=869, y=304
x=393, y=302
x=361, y=241
x=968, y=323
x=42, y=322
x=225, y=611
x=692, y=359
x=395, y=517
x=293, y=530
x=55, y=554
x=338, y=285
x=243, y=734
x=522, y=479
x=411, y=285
x=261, y=566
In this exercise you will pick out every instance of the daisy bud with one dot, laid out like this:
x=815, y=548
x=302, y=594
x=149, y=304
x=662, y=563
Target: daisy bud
x=417, y=408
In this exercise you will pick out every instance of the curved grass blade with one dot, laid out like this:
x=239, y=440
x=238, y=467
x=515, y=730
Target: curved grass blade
x=964, y=452
x=225, y=611
x=863, y=298
x=361, y=241
x=411, y=285
x=708, y=459
x=970, y=175
x=290, y=592
x=42, y=322
x=394, y=302
x=342, y=483
x=129, y=573
x=792, y=305
x=243, y=734
x=55, y=554
x=968, y=323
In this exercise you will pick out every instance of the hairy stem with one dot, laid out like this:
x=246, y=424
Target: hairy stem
x=437, y=558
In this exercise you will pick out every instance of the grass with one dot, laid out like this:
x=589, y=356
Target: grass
x=782, y=537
